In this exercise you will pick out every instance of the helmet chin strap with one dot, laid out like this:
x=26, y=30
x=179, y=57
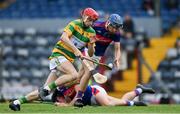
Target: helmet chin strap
x=106, y=25
x=84, y=18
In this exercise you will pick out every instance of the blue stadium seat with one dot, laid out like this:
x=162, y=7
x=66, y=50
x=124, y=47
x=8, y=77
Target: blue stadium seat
x=164, y=66
x=10, y=62
x=37, y=73
x=33, y=62
x=63, y=9
x=168, y=75
x=26, y=73
x=15, y=74
x=175, y=65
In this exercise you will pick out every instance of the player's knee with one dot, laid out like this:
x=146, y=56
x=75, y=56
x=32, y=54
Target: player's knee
x=74, y=76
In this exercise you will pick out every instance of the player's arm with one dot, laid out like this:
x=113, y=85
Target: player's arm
x=117, y=54
x=67, y=34
x=62, y=104
x=91, y=46
x=91, y=49
x=65, y=38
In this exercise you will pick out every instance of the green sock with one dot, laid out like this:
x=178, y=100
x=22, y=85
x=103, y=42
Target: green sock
x=52, y=85
x=23, y=100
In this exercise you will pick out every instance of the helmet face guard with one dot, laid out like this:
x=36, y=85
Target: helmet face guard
x=115, y=21
x=116, y=26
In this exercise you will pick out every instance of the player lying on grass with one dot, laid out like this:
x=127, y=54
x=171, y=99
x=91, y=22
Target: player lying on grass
x=96, y=95
x=77, y=35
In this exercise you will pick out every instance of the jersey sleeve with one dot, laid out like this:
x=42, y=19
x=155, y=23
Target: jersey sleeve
x=69, y=29
x=117, y=38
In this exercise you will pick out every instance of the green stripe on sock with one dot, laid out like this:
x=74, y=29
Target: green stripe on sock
x=52, y=85
x=23, y=100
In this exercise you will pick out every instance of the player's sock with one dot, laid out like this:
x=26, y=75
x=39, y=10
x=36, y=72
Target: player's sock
x=80, y=94
x=138, y=91
x=130, y=103
x=16, y=102
x=50, y=86
x=21, y=100
x=78, y=102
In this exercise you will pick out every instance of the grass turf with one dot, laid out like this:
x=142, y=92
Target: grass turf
x=50, y=109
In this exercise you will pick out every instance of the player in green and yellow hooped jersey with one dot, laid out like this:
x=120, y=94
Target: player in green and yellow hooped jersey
x=77, y=35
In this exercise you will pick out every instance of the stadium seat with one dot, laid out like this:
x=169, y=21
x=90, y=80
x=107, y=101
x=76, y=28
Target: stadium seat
x=41, y=41
x=10, y=62
x=63, y=9
x=168, y=75
x=37, y=73
x=23, y=52
x=15, y=74
x=5, y=74
x=33, y=62
x=175, y=65
x=164, y=66
x=26, y=73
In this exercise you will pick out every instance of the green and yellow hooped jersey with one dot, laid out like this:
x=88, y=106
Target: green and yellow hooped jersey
x=79, y=36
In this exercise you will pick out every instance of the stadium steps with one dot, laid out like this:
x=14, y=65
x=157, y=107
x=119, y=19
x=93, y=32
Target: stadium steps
x=117, y=94
x=157, y=52
x=153, y=56
x=175, y=32
x=128, y=83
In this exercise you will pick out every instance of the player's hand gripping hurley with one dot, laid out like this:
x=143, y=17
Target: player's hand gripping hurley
x=98, y=63
x=99, y=78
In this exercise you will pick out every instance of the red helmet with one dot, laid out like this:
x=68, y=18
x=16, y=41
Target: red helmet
x=91, y=13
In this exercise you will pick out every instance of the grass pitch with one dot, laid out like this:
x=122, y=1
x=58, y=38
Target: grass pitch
x=51, y=109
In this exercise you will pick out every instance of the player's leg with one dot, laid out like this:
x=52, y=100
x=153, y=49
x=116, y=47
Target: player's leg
x=34, y=95
x=105, y=100
x=85, y=77
x=70, y=74
x=138, y=91
x=83, y=83
x=52, y=76
x=131, y=95
x=101, y=96
x=15, y=105
x=120, y=102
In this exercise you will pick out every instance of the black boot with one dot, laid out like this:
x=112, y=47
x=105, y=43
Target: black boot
x=15, y=107
x=78, y=103
x=139, y=103
x=145, y=89
x=43, y=93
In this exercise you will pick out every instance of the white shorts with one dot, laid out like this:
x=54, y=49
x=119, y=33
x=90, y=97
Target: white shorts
x=56, y=61
x=93, y=98
x=101, y=89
